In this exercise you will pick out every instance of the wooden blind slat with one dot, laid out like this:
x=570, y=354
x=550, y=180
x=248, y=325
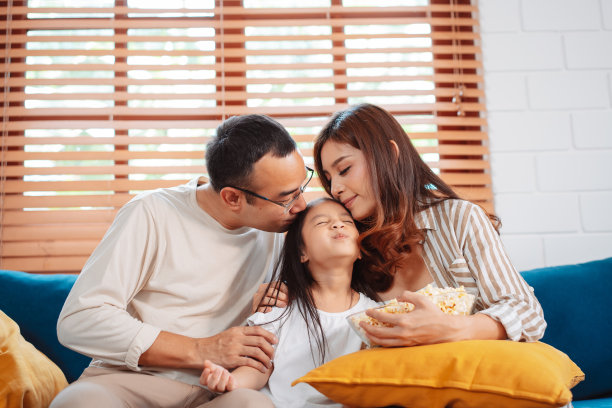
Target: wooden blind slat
x=447, y=149
x=117, y=169
x=47, y=264
x=475, y=193
x=59, y=232
x=334, y=36
x=110, y=155
x=241, y=66
x=74, y=23
x=136, y=124
x=240, y=81
x=11, y=186
x=236, y=53
x=322, y=111
x=77, y=216
x=70, y=201
x=49, y=249
x=230, y=11
x=236, y=96
x=117, y=140
x=128, y=155
x=125, y=169
x=12, y=217
x=126, y=140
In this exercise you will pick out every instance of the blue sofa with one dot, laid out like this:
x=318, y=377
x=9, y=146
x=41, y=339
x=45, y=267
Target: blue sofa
x=575, y=302
x=574, y=298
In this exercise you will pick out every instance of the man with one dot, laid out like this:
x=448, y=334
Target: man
x=175, y=274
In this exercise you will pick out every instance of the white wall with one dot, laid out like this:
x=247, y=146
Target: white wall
x=548, y=81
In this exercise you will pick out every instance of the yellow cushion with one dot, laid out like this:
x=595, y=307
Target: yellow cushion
x=28, y=378
x=476, y=373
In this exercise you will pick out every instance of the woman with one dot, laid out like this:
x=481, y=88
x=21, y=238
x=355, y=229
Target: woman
x=415, y=230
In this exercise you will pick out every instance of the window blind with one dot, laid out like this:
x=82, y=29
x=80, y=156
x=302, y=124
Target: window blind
x=104, y=99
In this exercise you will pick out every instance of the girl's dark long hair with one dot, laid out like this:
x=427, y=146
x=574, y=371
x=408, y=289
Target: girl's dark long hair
x=299, y=281
x=404, y=186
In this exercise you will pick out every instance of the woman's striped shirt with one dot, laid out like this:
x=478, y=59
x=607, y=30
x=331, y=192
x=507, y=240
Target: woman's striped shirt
x=462, y=248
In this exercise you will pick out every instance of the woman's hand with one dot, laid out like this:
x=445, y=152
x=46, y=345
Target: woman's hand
x=426, y=324
x=276, y=293
x=217, y=378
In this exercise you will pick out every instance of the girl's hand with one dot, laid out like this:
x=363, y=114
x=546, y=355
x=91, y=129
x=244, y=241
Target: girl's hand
x=217, y=378
x=426, y=324
x=277, y=292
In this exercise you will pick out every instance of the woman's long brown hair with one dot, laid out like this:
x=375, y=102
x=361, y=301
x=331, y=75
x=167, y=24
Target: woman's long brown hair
x=403, y=183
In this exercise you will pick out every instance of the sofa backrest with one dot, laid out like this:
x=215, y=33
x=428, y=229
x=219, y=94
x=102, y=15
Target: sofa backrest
x=34, y=302
x=575, y=302
x=574, y=298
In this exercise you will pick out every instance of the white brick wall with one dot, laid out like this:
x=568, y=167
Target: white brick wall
x=592, y=129
x=563, y=15
x=548, y=81
x=606, y=6
x=520, y=52
x=567, y=90
x=521, y=131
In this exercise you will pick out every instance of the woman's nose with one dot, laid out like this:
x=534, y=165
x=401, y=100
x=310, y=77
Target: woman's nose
x=336, y=189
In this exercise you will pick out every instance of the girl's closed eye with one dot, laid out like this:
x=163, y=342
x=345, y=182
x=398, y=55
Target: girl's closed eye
x=344, y=171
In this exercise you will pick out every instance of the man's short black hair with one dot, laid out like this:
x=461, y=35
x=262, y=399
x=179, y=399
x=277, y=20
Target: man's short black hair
x=239, y=143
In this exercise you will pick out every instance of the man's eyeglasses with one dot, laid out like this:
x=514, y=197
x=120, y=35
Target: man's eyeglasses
x=286, y=205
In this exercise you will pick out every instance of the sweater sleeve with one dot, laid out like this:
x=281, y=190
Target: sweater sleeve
x=505, y=295
x=95, y=320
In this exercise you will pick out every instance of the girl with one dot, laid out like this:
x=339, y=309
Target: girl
x=415, y=230
x=324, y=281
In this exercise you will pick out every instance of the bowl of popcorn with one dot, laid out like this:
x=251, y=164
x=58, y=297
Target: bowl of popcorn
x=453, y=301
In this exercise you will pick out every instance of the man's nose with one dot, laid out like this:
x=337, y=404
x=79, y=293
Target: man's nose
x=299, y=205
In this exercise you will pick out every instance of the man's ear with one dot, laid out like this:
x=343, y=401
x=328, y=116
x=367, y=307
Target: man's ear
x=395, y=149
x=231, y=198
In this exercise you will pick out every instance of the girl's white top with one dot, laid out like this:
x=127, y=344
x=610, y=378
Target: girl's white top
x=293, y=357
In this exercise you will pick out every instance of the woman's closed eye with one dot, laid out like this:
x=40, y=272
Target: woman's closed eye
x=344, y=171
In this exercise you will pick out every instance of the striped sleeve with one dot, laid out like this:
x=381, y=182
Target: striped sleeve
x=504, y=293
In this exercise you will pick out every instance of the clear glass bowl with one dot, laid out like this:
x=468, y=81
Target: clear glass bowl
x=454, y=302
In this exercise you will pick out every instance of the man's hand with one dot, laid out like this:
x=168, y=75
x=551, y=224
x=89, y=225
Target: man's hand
x=239, y=346
x=217, y=378
x=275, y=295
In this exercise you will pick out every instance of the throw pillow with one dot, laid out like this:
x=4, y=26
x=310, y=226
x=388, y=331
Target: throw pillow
x=28, y=378
x=475, y=373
